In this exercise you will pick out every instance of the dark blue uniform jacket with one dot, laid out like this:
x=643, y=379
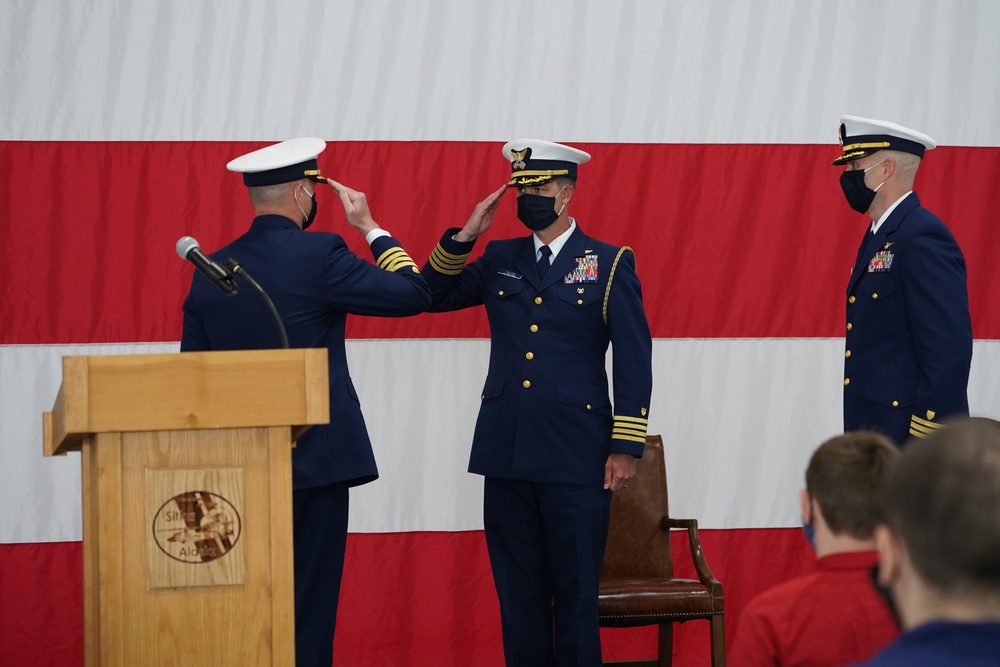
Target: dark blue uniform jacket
x=909, y=334
x=546, y=415
x=315, y=281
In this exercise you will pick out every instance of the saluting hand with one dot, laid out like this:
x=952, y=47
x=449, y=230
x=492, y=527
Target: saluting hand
x=481, y=218
x=355, y=207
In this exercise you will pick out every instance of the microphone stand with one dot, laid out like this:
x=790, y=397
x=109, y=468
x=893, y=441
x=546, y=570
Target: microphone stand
x=235, y=267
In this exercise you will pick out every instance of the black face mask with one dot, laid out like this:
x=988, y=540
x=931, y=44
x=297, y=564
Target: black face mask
x=312, y=210
x=537, y=211
x=858, y=195
x=312, y=214
x=886, y=596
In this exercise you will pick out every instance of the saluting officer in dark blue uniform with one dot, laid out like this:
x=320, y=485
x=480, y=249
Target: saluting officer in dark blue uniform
x=548, y=440
x=314, y=281
x=909, y=334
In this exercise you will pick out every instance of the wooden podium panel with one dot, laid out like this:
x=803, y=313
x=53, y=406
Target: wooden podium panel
x=191, y=390
x=187, y=501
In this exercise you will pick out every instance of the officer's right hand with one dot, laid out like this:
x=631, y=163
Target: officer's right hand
x=355, y=207
x=481, y=218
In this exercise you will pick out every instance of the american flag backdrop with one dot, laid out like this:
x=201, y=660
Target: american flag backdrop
x=711, y=124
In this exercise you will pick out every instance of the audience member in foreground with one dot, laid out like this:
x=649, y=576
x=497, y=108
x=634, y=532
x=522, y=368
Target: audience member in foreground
x=939, y=549
x=834, y=615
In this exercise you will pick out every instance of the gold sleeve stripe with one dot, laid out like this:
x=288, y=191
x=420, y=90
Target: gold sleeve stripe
x=624, y=436
x=629, y=428
x=626, y=426
x=611, y=277
x=391, y=252
x=447, y=256
x=922, y=430
x=402, y=262
x=395, y=262
x=450, y=263
x=440, y=268
x=636, y=420
x=399, y=263
x=923, y=422
x=447, y=263
x=917, y=434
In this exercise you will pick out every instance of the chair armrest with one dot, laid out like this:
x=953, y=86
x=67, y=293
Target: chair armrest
x=705, y=575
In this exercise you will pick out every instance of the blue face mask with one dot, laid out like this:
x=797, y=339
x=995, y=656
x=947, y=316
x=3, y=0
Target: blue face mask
x=810, y=534
x=807, y=525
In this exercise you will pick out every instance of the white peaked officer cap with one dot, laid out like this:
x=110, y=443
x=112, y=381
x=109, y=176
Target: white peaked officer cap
x=286, y=162
x=536, y=161
x=863, y=136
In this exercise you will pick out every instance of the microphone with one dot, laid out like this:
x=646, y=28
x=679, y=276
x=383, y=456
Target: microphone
x=188, y=248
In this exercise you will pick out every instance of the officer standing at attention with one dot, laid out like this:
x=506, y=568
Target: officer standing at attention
x=314, y=281
x=909, y=334
x=547, y=439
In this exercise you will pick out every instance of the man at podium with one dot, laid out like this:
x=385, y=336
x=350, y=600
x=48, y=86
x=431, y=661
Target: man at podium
x=314, y=281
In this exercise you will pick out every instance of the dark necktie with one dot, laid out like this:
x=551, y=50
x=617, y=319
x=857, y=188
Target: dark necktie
x=543, y=263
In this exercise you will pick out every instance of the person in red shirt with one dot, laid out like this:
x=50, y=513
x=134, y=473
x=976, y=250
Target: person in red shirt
x=834, y=615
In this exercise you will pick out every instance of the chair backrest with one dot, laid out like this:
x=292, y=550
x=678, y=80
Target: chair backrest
x=638, y=544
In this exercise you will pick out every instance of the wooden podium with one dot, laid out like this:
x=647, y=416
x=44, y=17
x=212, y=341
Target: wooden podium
x=187, y=500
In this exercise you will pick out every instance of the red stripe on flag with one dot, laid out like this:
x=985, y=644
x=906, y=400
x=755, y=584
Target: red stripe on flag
x=731, y=240
x=408, y=598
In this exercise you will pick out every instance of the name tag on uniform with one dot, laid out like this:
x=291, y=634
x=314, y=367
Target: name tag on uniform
x=585, y=271
x=510, y=274
x=882, y=261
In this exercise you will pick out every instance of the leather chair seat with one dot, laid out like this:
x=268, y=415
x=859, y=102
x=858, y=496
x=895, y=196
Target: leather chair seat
x=644, y=600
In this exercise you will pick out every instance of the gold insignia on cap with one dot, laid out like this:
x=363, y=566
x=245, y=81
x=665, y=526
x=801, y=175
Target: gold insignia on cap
x=519, y=158
x=851, y=155
x=866, y=146
x=530, y=177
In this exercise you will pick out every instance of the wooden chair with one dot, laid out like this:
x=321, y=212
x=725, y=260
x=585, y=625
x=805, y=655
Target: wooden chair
x=637, y=576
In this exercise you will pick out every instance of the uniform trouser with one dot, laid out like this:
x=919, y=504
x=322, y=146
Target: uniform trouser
x=546, y=542
x=319, y=516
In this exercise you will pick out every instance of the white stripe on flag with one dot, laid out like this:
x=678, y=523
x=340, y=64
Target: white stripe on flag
x=740, y=418
x=714, y=71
